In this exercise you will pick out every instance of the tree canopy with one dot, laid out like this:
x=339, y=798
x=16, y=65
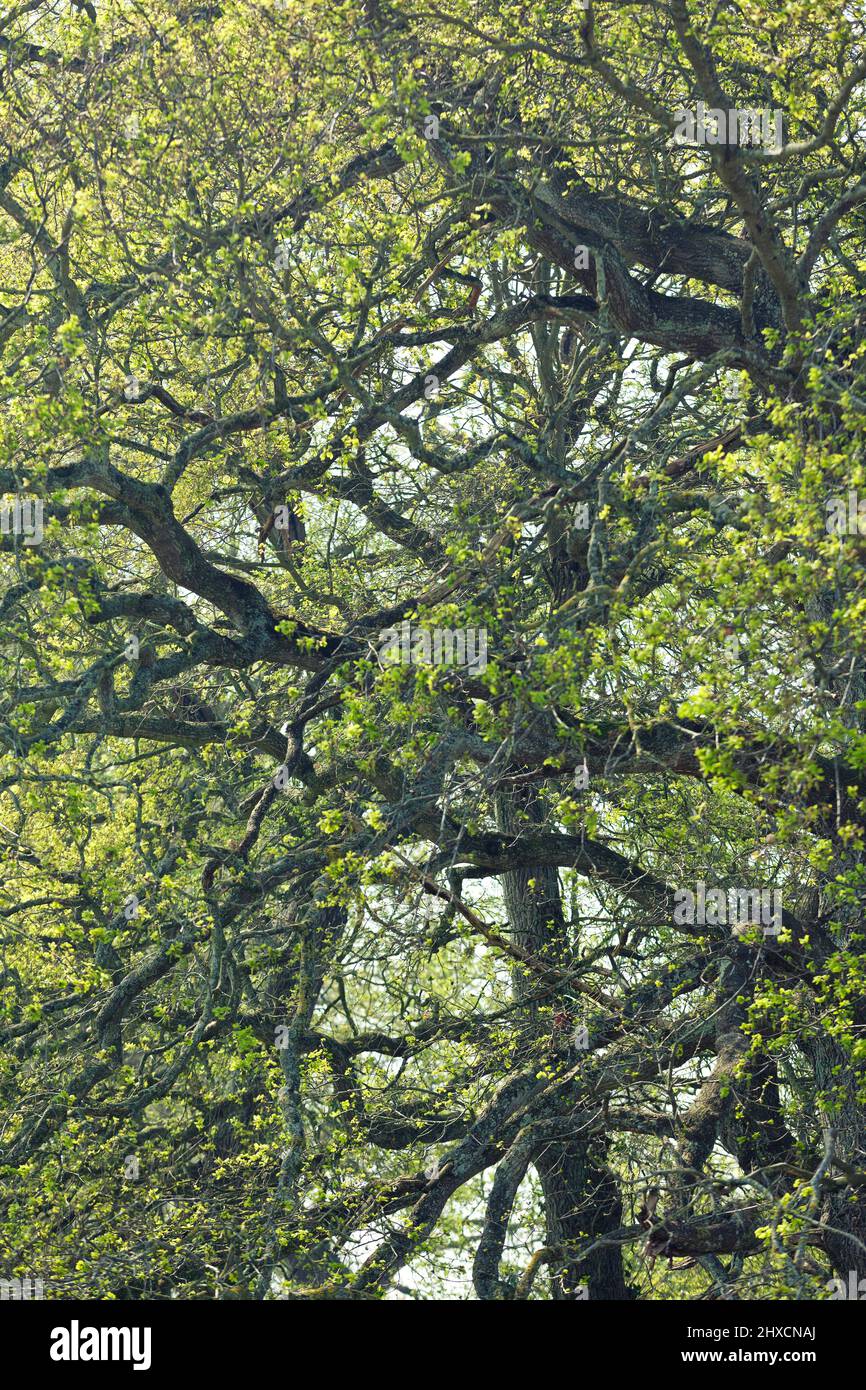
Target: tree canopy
x=338, y=339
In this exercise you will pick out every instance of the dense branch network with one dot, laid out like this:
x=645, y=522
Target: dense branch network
x=327, y=974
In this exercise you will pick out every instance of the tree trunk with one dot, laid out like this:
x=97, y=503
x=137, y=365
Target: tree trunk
x=581, y=1197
